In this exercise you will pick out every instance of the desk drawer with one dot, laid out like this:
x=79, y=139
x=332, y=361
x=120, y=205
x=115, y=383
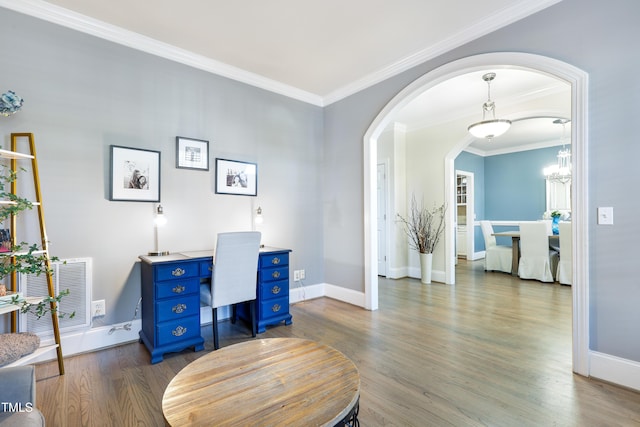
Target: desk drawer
x=274, y=307
x=274, y=260
x=274, y=289
x=176, y=288
x=277, y=273
x=178, y=270
x=206, y=268
x=178, y=307
x=178, y=330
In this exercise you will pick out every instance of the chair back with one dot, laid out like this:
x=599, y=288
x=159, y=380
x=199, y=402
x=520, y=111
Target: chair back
x=487, y=232
x=534, y=240
x=235, y=268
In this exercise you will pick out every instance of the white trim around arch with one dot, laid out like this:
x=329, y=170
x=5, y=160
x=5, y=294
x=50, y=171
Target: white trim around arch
x=578, y=80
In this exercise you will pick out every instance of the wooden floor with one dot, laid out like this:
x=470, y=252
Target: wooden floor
x=490, y=351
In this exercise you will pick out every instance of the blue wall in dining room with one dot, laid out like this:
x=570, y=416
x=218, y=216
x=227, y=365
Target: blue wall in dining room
x=515, y=185
x=508, y=187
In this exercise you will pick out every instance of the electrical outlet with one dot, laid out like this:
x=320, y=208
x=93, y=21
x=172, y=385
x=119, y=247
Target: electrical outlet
x=296, y=275
x=98, y=308
x=302, y=274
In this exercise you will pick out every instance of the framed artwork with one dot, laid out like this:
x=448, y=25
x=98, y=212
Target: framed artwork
x=192, y=153
x=135, y=175
x=234, y=177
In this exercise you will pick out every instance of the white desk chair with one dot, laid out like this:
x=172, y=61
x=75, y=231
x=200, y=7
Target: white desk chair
x=565, y=265
x=537, y=260
x=234, y=277
x=496, y=257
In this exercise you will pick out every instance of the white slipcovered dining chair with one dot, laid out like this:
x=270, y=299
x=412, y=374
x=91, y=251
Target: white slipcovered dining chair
x=537, y=260
x=234, y=276
x=496, y=257
x=564, y=274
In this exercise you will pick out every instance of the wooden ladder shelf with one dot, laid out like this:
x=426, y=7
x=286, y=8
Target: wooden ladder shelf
x=15, y=156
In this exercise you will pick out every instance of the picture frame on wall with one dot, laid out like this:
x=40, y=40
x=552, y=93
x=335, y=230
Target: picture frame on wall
x=192, y=153
x=235, y=177
x=134, y=174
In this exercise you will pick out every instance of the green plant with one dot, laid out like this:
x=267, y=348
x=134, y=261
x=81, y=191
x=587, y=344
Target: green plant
x=556, y=214
x=423, y=226
x=24, y=257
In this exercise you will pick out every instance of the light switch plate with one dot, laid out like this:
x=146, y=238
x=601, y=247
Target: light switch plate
x=605, y=215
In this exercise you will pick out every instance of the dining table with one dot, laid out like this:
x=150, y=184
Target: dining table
x=554, y=243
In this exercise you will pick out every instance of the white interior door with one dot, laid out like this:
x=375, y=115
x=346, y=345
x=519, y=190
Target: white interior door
x=382, y=220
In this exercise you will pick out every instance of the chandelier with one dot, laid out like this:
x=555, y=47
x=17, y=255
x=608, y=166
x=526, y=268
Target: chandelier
x=561, y=171
x=493, y=127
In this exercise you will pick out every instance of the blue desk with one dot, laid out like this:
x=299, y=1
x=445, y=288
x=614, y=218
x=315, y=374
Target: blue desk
x=171, y=297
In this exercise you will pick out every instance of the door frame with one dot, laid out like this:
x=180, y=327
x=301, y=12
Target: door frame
x=578, y=79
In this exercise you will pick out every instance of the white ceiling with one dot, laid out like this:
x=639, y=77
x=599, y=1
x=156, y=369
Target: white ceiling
x=320, y=52
x=532, y=101
x=317, y=51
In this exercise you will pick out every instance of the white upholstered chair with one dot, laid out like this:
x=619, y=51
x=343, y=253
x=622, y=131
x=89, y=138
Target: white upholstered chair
x=496, y=257
x=537, y=260
x=234, y=276
x=564, y=274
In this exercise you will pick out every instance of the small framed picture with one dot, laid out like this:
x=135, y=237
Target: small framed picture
x=192, y=153
x=135, y=175
x=234, y=177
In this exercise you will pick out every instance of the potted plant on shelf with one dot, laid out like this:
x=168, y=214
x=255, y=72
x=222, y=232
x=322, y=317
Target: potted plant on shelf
x=424, y=229
x=22, y=257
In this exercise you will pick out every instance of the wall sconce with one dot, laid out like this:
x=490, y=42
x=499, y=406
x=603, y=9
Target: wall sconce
x=159, y=221
x=258, y=218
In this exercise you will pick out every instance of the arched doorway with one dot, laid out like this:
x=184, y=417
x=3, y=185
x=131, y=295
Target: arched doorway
x=578, y=81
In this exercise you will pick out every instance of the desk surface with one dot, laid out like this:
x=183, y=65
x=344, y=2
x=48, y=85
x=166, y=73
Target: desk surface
x=185, y=255
x=275, y=381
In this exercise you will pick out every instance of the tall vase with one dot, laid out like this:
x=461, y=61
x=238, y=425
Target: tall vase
x=426, y=261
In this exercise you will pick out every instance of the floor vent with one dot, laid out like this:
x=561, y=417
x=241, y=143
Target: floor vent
x=73, y=274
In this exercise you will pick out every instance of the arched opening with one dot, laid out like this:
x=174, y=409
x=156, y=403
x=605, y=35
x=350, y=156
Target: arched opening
x=578, y=82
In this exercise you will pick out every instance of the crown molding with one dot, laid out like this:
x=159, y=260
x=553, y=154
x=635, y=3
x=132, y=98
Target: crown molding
x=496, y=21
x=75, y=21
x=64, y=17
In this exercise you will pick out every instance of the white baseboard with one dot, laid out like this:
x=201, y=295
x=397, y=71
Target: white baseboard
x=92, y=339
x=396, y=273
x=614, y=370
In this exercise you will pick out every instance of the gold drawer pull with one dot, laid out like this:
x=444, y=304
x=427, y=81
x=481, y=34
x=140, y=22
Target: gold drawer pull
x=276, y=308
x=275, y=274
x=179, y=308
x=179, y=331
x=275, y=290
x=178, y=272
x=178, y=289
x=275, y=261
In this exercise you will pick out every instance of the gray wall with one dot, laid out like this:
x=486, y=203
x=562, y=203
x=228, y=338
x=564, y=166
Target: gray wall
x=594, y=36
x=83, y=94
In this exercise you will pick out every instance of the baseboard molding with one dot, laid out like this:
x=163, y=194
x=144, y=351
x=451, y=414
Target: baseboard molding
x=614, y=369
x=396, y=273
x=92, y=339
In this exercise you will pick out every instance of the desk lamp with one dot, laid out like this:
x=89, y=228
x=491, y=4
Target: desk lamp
x=159, y=221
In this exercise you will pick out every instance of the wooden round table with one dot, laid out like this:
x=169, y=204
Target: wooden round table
x=271, y=382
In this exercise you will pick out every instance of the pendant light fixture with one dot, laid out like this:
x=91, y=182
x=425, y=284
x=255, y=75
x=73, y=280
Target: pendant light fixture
x=561, y=171
x=491, y=128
